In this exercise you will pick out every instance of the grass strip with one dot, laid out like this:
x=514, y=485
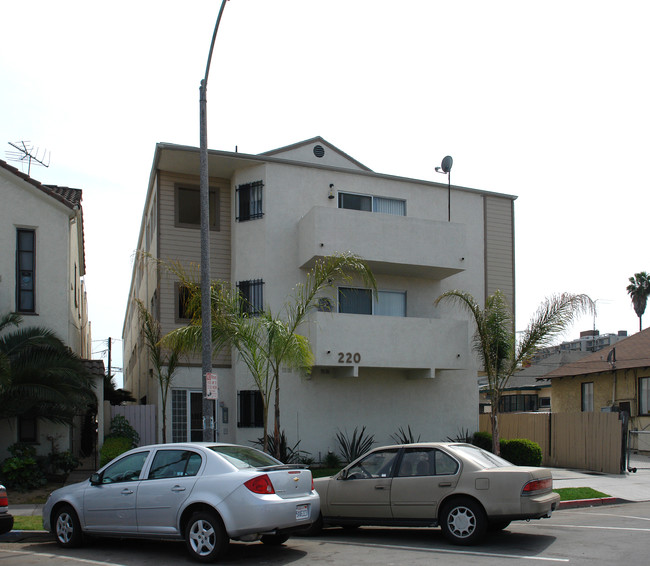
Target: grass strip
x=28, y=523
x=573, y=493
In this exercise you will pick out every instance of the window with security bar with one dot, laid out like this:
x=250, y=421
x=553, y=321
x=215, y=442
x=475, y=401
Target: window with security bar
x=25, y=268
x=249, y=201
x=251, y=294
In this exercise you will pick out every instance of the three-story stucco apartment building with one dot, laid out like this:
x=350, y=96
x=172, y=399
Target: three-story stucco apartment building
x=385, y=362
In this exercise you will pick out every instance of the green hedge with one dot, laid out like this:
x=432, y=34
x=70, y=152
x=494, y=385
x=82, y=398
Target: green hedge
x=112, y=448
x=519, y=451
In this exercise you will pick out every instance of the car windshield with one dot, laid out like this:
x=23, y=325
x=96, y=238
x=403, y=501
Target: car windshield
x=481, y=457
x=245, y=457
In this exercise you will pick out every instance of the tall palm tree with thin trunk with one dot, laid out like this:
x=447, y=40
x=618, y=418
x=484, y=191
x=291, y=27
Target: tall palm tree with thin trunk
x=639, y=290
x=494, y=340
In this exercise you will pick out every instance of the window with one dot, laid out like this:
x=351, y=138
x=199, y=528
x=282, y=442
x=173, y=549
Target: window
x=182, y=298
x=25, y=268
x=518, y=403
x=252, y=296
x=174, y=464
x=188, y=207
x=27, y=431
x=544, y=402
x=249, y=201
x=587, y=396
x=251, y=409
x=376, y=465
x=361, y=301
x=426, y=462
x=375, y=204
x=125, y=469
x=644, y=396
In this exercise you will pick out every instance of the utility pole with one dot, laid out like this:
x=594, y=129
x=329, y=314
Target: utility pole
x=204, y=191
x=109, y=357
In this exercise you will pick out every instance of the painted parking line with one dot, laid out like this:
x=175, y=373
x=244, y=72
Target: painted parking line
x=599, y=528
x=449, y=551
x=66, y=558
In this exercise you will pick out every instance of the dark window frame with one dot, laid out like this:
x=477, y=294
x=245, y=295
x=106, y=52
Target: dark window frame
x=250, y=201
x=179, y=309
x=355, y=201
x=27, y=422
x=214, y=203
x=641, y=407
x=518, y=403
x=583, y=399
x=250, y=409
x=21, y=268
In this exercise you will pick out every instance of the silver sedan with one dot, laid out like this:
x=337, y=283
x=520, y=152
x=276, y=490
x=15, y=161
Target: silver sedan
x=205, y=493
x=459, y=487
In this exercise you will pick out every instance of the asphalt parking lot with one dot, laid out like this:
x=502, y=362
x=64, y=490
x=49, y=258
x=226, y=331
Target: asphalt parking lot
x=606, y=534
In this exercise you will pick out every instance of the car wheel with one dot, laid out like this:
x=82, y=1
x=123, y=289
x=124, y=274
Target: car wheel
x=463, y=521
x=495, y=526
x=205, y=537
x=67, y=528
x=274, y=540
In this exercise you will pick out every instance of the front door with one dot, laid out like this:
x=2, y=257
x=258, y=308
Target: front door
x=365, y=490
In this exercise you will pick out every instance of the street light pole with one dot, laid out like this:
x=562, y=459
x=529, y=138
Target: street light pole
x=206, y=311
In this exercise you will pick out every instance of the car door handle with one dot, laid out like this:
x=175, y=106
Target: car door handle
x=380, y=487
x=126, y=491
x=178, y=488
x=444, y=484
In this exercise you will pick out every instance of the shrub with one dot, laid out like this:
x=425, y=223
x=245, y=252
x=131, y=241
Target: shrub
x=121, y=428
x=331, y=460
x=113, y=446
x=359, y=444
x=61, y=463
x=521, y=452
x=288, y=454
x=483, y=440
x=405, y=436
x=22, y=472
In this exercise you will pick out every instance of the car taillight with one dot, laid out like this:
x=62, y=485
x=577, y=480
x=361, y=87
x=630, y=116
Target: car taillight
x=260, y=484
x=4, y=502
x=312, y=484
x=537, y=485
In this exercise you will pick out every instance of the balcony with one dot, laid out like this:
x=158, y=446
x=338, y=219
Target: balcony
x=343, y=344
x=393, y=245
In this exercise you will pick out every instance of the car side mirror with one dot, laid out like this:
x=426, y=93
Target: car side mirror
x=96, y=479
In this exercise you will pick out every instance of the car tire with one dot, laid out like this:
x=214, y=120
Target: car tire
x=463, y=521
x=274, y=540
x=66, y=527
x=205, y=537
x=495, y=526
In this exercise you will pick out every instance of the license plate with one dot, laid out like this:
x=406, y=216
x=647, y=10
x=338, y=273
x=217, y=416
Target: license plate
x=302, y=511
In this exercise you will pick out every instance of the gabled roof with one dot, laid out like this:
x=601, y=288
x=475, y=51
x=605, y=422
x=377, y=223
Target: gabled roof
x=291, y=149
x=70, y=197
x=632, y=352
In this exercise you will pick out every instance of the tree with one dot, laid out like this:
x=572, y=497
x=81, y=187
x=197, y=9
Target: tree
x=494, y=340
x=639, y=290
x=267, y=341
x=40, y=375
x=164, y=363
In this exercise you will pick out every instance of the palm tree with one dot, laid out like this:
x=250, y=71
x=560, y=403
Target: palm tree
x=494, y=340
x=164, y=364
x=267, y=341
x=639, y=290
x=40, y=375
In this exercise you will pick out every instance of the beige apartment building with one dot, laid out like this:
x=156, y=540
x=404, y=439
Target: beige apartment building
x=385, y=363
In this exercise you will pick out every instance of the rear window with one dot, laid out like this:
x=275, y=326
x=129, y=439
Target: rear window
x=481, y=457
x=245, y=457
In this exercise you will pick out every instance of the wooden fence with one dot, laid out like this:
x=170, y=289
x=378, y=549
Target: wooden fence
x=585, y=441
x=141, y=417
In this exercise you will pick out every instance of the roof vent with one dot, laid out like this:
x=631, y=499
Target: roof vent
x=319, y=150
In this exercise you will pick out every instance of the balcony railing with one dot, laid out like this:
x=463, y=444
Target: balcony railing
x=398, y=245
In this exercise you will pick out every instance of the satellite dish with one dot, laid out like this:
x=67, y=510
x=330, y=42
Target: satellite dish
x=446, y=164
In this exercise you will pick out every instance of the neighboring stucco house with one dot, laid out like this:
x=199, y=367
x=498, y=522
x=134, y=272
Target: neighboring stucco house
x=391, y=362
x=41, y=278
x=617, y=378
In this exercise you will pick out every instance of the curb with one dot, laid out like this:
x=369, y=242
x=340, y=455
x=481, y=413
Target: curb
x=25, y=536
x=577, y=503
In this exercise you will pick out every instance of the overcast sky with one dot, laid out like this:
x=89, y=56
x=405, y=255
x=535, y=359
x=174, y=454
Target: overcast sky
x=547, y=100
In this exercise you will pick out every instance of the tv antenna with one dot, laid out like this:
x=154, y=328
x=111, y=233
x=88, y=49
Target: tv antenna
x=26, y=152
